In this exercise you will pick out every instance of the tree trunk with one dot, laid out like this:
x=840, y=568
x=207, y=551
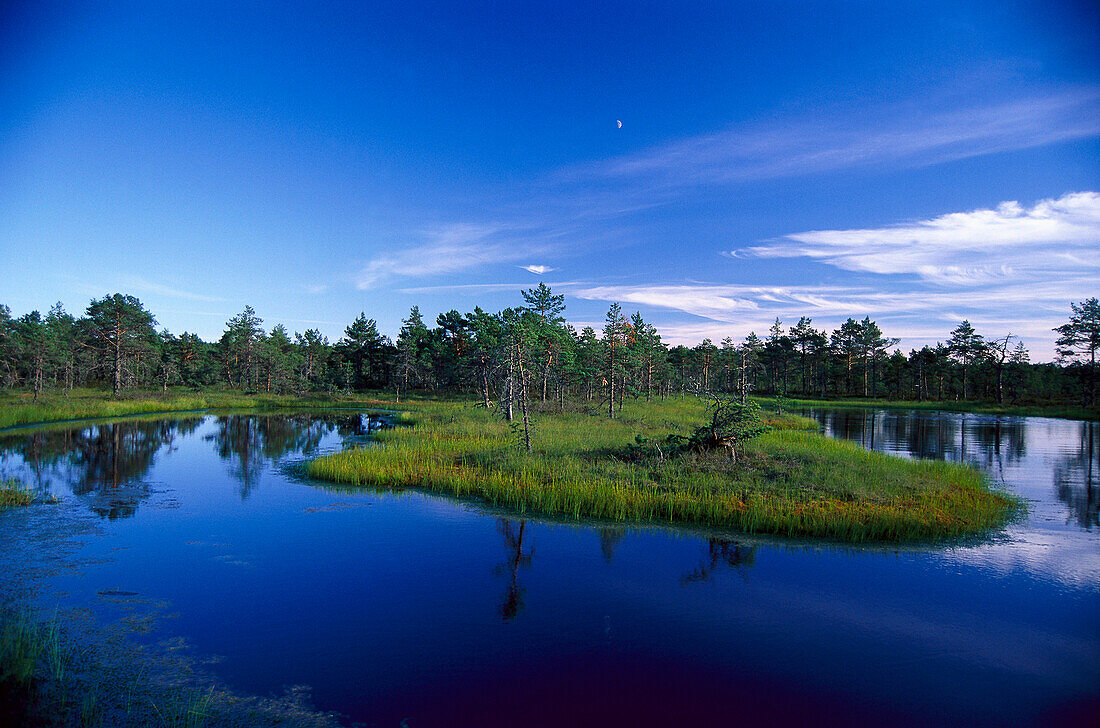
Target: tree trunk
x=546, y=372
x=118, y=372
x=1092, y=379
x=874, y=377
x=37, y=379
x=523, y=406
x=511, y=387
x=744, y=381
x=611, y=384
x=485, y=386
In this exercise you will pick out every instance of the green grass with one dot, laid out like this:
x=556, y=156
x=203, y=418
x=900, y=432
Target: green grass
x=1070, y=412
x=790, y=482
x=13, y=494
x=18, y=409
x=27, y=645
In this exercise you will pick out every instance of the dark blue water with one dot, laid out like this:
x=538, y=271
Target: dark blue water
x=406, y=606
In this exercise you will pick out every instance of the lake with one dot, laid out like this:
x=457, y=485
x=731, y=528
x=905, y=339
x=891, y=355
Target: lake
x=409, y=607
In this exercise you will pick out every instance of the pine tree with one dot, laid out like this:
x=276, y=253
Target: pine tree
x=967, y=347
x=120, y=329
x=615, y=340
x=1080, y=338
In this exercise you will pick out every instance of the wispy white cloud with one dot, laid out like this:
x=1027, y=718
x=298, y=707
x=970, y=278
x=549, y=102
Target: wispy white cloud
x=1010, y=242
x=594, y=203
x=138, y=284
x=894, y=136
x=467, y=287
x=309, y=321
x=315, y=289
x=737, y=302
x=920, y=315
x=451, y=248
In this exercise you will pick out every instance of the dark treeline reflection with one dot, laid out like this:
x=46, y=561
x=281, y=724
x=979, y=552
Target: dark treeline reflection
x=722, y=553
x=107, y=463
x=513, y=532
x=993, y=444
x=990, y=444
x=110, y=463
x=1075, y=478
x=609, y=539
x=104, y=462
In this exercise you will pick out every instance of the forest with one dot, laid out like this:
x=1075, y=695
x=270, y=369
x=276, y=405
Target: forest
x=530, y=353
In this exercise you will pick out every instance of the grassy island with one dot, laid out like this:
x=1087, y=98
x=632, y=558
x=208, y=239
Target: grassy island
x=792, y=481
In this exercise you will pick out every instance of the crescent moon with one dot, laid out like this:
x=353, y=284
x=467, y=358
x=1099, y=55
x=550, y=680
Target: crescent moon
x=619, y=123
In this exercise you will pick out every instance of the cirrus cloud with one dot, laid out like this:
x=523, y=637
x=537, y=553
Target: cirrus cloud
x=1011, y=241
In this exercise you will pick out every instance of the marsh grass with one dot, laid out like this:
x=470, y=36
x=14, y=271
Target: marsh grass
x=13, y=494
x=18, y=409
x=791, y=482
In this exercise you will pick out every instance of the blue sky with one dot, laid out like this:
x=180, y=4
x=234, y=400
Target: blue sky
x=919, y=162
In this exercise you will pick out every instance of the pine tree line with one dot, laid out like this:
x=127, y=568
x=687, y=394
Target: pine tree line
x=530, y=355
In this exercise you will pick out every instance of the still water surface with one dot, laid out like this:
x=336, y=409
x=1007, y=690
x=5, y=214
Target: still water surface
x=406, y=606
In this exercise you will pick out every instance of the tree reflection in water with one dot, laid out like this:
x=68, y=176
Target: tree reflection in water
x=513, y=534
x=976, y=439
x=107, y=462
x=248, y=442
x=1075, y=477
x=999, y=443
x=722, y=552
x=609, y=539
x=111, y=462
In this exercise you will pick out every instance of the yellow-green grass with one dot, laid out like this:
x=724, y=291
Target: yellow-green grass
x=13, y=494
x=790, y=482
x=19, y=409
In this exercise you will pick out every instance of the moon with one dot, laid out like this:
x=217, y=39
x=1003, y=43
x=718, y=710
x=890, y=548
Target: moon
x=619, y=123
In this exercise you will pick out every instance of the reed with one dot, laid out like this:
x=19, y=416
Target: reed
x=12, y=493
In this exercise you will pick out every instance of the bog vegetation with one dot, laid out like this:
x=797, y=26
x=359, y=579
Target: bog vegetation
x=675, y=461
